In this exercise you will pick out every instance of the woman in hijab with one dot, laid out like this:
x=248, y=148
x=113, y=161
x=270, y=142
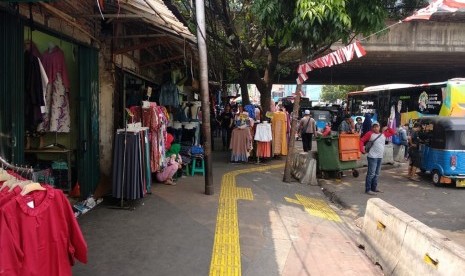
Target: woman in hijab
x=366, y=126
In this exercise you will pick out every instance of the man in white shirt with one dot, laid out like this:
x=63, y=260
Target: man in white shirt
x=375, y=154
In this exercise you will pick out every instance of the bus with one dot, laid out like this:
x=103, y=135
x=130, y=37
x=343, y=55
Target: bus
x=400, y=104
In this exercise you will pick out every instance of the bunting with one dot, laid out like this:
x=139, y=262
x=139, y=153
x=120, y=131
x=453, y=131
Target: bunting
x=337, y=57
x=437, y=6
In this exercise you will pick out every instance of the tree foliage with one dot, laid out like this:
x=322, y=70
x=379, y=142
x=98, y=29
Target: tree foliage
x=256, y=40
x=332, y=93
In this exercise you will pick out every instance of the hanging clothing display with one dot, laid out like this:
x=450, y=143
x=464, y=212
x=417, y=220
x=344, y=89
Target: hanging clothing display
x=39, y=234
x=279, y=124
x=163, y=119
x=263, y=136
x=56, y=117
x=33, y=93
x=156, y=119
x=130, y=164
x=169, y=94
x=241, y=144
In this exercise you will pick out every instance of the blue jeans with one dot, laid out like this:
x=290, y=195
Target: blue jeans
x=371, y=181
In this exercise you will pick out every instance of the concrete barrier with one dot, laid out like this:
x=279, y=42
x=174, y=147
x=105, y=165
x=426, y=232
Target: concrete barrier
x=304, y=167
x=403, y=245
x=399, y=153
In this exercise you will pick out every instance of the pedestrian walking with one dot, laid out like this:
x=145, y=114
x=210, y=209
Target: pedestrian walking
x=402, y=132
x=373, y=143
x=307, y=128
x=366, y=126
x=414, y=155
x=226, y=120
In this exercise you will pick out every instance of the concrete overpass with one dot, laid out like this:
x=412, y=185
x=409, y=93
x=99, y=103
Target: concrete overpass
x=410, y=52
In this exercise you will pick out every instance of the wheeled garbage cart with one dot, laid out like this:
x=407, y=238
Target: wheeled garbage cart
x=338, y=153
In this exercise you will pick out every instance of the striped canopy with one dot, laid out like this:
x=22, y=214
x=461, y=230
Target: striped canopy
x=438, y=6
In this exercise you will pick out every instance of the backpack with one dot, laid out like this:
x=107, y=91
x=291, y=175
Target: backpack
x=196, y=150
x=396, y=139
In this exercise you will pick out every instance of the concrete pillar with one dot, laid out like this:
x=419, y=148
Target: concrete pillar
x=107, y=89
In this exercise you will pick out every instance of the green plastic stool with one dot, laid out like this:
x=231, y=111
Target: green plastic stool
x=195, y=166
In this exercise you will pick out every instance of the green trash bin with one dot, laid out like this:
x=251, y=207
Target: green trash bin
x=328, y=156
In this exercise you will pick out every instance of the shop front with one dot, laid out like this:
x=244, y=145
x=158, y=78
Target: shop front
x=50, y=101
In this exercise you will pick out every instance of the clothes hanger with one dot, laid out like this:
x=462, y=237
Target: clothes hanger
x=30, y=187
x=8, y=183
x=5, y=176
x=21, y=184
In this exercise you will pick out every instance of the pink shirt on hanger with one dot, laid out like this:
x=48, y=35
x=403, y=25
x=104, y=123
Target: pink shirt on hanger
x=54, y=62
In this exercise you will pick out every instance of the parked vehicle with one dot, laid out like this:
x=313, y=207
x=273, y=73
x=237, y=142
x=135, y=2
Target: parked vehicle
x=442, y=149
x=404, y=103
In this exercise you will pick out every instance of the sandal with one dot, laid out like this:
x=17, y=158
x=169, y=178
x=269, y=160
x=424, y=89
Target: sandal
x=169, y=182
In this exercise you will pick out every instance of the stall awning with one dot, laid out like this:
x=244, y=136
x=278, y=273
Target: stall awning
x=28, y=1
x=439, y=8
x=156, y=13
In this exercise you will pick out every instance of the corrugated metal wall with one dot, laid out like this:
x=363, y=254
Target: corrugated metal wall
x=11, y=88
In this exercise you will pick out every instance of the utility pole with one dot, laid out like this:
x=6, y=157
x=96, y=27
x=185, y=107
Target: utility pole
x=204, y=95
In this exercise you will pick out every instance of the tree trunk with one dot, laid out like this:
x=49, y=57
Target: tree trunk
x=265, y=85
x=244, y=89
x=295, y=115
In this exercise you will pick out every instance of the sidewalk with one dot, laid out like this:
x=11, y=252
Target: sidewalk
x=273, y=228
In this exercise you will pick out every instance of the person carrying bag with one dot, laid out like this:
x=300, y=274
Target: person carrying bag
x=307, y=136
x=373, y=143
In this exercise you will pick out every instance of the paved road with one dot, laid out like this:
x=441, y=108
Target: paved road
x=442, y=208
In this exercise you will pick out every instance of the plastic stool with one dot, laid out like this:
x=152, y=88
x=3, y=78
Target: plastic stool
x=195, y=166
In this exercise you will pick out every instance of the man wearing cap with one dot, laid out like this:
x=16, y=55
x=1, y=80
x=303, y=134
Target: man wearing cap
x=307, y=128
x=377, y=139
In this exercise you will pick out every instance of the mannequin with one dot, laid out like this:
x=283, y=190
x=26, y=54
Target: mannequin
x=195, y=108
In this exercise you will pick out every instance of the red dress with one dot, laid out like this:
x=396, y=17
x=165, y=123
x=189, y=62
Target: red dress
x=43, y=240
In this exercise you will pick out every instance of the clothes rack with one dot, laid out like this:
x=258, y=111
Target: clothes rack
x=25, y=170
x=130, y=148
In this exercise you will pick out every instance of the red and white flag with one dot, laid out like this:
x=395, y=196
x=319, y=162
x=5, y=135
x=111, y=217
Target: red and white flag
x=437, y=6
x=337, y=57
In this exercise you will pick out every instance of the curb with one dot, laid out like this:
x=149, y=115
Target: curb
x=333, y=195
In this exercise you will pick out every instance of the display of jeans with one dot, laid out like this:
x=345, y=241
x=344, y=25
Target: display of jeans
x=169, y=94
x=374, y=168
x=188, y=135
x=190, y=125
x=177, y=133
x=180, y=114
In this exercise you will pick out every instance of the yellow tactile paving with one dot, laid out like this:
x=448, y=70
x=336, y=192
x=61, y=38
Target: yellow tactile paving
x=226, y=254
x=315, y=207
